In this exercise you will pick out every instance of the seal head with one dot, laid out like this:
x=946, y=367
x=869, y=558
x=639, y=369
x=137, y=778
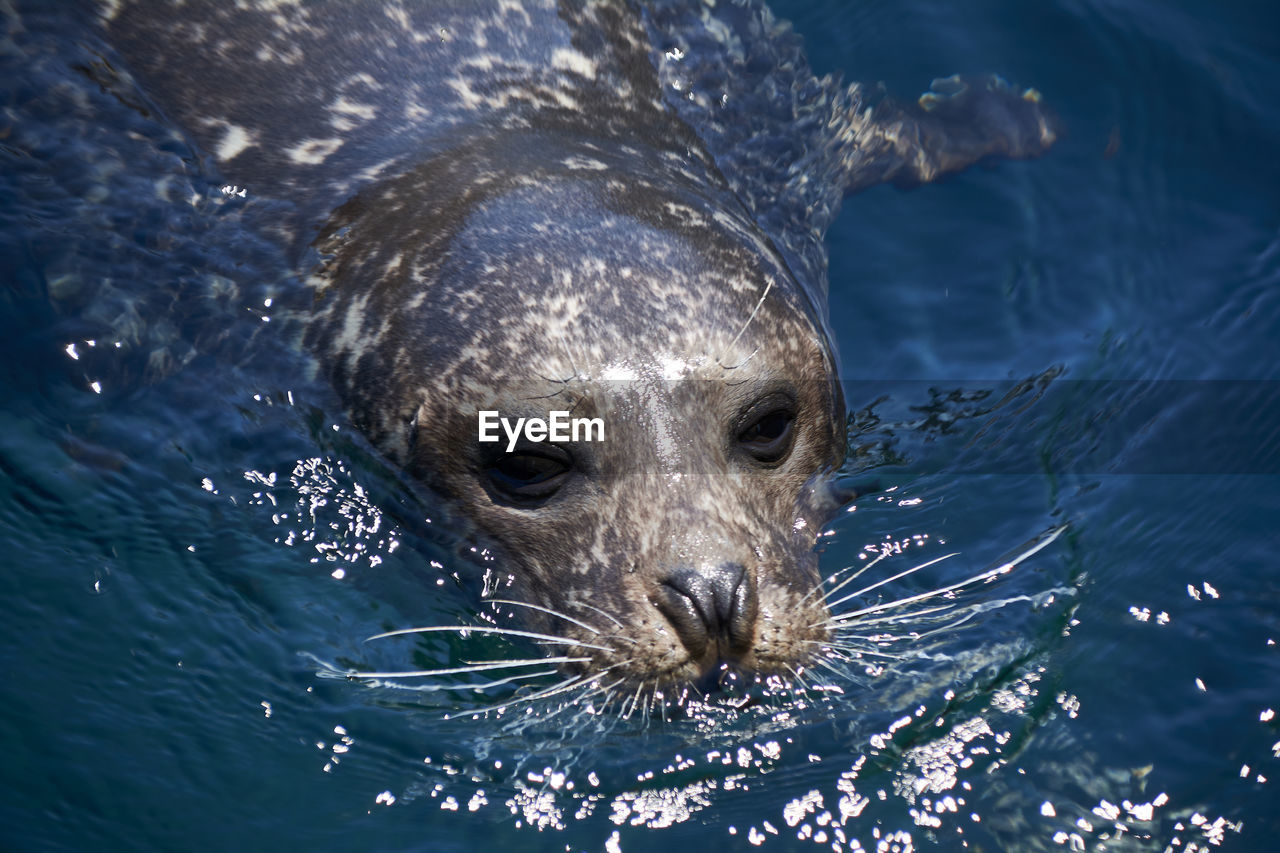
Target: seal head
x=591, y=283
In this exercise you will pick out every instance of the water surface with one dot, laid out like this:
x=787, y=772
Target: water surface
x=1088, y=339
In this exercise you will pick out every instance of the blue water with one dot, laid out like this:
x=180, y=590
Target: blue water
x=1090, y=339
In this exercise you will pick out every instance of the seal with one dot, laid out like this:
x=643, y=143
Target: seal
x=614, y=209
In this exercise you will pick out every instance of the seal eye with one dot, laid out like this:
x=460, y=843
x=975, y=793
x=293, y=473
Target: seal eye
x=529, y=475
x=768, y=438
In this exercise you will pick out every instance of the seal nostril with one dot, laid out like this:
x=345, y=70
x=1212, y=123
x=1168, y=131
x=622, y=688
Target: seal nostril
x=717, y=603
x=678, y=601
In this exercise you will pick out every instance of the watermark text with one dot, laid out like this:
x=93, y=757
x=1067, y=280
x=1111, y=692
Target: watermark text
x=557, y=427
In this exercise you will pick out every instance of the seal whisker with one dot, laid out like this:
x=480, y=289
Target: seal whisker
x=892, y=618
x=740, y=364
x=460, y=688
x=510, y=632
x=827, y=595
x=610, y=688
x=610, y=649
x=606, y=615
x=501, y=681
x=857, y=650
x=588, y=691
x=546, y=610
x=475, y=667
x=804, y=685
x=573, y=365
x=915, y=615
x=549, y=691
x=635, y=701
x=832, y=668
x=768, y=287
x=890, y=579
x=829, y=662
x=540, y=694
x=887, y=619
x=614, y=698
x=1040, y=543
x=960, y=619
x=950, y=625
x=569, y=703
x=647, y=707
x=843, y=618
x=876, y=640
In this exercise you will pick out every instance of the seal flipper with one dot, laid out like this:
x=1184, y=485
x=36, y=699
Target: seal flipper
x=792, y=144
x=958, y=122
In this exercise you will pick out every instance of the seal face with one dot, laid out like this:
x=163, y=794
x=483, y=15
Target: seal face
x=682, y=540
x=611, y=209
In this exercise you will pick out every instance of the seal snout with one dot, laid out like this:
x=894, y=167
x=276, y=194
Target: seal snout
x=713, y=611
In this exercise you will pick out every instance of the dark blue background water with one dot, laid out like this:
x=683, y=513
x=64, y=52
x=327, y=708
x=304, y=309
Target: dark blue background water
x=164, y=633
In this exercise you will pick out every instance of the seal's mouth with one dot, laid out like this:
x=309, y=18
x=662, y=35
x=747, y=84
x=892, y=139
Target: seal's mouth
x=728, y=682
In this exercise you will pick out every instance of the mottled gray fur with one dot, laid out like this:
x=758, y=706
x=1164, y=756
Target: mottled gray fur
x=610, y=207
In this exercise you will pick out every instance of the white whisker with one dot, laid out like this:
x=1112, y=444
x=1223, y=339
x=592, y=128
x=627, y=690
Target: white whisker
x=475, y=667
x=451, y=688
x=648, y=706
x=857, y=650
x=604, y=613
x=890, y=579
x=743, y=381
x=606, y=689
x=509, y=632
x=635, y=701
x=830, y=660
x=832, y=668
x=987, y=575
x=550, y=691
x=1046, y=539
x=960, y=619
x=546, y=610
x=894, y=618
x=842, y=583
x=587, y=691
x=804, y=685
x=501, y=681
x=754, y=312
x=1003, y=568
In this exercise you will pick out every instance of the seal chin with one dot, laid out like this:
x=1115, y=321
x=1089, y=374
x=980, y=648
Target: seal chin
x=708, y=674
x=724, y=678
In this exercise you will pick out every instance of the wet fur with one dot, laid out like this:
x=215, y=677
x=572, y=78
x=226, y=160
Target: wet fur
x=602, y=207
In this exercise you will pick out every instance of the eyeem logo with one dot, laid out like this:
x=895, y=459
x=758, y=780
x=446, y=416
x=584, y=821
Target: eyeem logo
x=558, y=427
